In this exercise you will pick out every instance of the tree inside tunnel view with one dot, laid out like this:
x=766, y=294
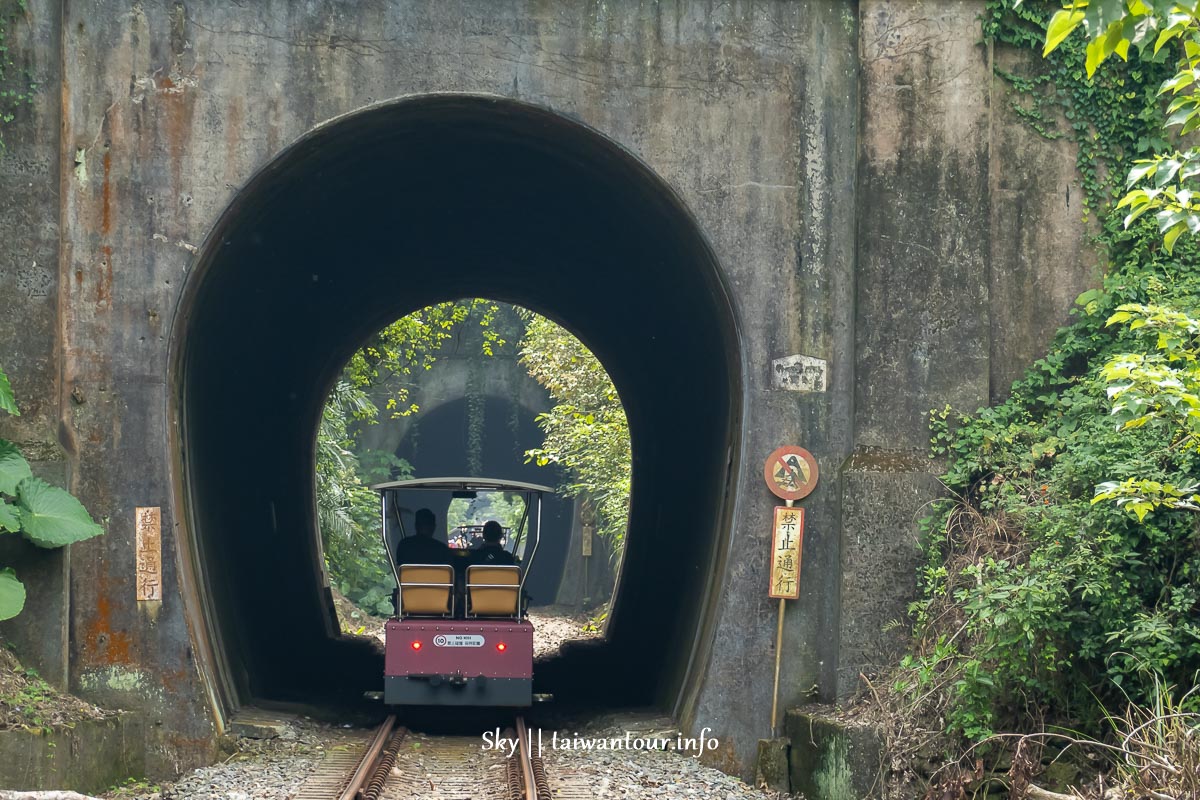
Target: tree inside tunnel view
x=486, y=389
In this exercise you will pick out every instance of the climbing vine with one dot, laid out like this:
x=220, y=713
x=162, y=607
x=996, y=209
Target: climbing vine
x=1045, y=601
x=1112, y=117
x=476, y=413
x=17, y=86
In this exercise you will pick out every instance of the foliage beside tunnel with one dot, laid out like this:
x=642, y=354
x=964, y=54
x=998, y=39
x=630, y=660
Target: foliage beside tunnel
x=1037, y=600
x=1044, y=602
x=348, y=511
x=45, y=515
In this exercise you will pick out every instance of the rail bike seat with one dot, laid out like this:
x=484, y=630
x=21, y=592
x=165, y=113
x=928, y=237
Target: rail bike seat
x=426, y=590
x=493, y=591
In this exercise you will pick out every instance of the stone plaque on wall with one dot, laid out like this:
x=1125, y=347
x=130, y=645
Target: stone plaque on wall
x=799, y=373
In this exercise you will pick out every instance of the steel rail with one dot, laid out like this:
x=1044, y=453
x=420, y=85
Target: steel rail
x=367, y=765
x=525, y=774
x=529, y=789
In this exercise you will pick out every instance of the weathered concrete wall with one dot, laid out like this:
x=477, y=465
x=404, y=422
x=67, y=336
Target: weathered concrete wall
x=748, y=111
x=1041, y=257
x=922, y=335
x=29, y=216
x=832, y=760
x=90, y=756
x=848, y=162
x=969, y=256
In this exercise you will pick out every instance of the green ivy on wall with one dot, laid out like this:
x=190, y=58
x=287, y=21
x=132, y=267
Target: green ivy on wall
x=1039, y=603
x=17, y=87
x=1113, y=117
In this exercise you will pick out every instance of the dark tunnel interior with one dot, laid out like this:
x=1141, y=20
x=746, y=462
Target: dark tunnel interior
x=389, y=210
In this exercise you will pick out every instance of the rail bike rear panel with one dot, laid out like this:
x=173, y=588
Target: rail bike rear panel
x=458, y=662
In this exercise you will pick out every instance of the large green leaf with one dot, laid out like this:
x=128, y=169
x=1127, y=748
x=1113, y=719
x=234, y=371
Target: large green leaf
x=13, y=467
x=51, y=517
x=1060, y=27
x=10, y=517
x=7, y=401
x=12, y=594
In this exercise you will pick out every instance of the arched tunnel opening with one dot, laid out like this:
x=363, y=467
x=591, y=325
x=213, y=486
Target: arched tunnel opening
x=383, y=212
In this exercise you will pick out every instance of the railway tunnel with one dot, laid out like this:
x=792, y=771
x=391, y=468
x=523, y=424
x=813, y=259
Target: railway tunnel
x=385, y=211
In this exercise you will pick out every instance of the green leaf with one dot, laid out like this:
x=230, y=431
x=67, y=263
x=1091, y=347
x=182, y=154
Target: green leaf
x=1096, y=53
x=10, y=517
x=1060, y=27
x=1141, y=170
x=1172, y=235
x=7, y=401
x=12, y=595
x=51, y=517
x=13, y=467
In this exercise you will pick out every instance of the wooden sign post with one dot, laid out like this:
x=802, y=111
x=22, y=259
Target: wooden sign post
x=791, y=474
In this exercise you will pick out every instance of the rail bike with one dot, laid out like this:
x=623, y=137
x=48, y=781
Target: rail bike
x=460, y=635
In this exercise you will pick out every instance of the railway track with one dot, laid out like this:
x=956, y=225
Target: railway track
x=396, y=765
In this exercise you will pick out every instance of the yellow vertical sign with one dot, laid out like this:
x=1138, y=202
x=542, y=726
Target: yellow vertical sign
x=148, y=545
x=787, y=541
x=586, y=540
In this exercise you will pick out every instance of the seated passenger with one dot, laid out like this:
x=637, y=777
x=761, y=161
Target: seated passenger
x=491, y=552
x=422, y=548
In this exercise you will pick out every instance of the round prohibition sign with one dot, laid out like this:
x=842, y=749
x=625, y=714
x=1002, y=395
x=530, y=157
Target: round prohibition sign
x=791, y=473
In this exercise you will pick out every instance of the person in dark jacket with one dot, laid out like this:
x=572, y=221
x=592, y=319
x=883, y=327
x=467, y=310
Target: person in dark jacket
x=492, y=553
x=422, y=548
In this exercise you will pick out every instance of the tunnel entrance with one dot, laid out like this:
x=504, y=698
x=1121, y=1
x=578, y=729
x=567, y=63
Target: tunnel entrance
x=394, y=208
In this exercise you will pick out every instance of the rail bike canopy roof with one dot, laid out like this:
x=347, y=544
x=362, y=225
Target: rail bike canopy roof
x=465, y=485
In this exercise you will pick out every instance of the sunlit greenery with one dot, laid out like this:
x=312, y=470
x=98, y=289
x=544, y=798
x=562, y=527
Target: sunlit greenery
x=1064, y=568
x=585, y=433
x=348, y=511
x=507, y=509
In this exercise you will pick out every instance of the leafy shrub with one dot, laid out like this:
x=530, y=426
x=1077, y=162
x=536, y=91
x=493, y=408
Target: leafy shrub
x=586, y=431
x=1037, y=599
x=1040, y=594
x=44, y=514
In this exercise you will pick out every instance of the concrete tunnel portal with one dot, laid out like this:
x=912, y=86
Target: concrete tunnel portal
x=382, y=212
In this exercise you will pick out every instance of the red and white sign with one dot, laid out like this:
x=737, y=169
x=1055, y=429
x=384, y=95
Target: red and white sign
x=791, y=473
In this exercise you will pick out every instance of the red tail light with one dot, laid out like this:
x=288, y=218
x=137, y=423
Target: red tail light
x=416, y=645
x=502, y=647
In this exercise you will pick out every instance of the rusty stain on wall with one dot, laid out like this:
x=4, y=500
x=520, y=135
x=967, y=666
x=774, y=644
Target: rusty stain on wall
x=106, y=197
x=109, y=646
x=104, y=279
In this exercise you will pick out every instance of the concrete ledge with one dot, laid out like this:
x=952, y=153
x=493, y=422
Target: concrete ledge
x=833, y=760
x=90, y=757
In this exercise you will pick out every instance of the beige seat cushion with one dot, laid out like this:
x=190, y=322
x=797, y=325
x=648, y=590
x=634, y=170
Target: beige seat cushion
x=426, y=589
x=493, y=591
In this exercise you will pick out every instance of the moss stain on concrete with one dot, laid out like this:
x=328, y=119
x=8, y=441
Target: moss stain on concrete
x=834, y=779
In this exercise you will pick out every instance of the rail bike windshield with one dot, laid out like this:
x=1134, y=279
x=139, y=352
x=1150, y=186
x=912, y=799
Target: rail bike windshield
x=460, y=508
